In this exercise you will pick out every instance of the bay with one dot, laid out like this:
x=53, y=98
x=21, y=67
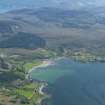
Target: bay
x=74, y=83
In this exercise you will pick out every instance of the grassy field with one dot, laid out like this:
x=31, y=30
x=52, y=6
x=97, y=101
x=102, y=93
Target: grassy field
x=30, y=65
x=30, y=91
x=24, y=95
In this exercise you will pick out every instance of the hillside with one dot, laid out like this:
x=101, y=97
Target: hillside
x=54, y=28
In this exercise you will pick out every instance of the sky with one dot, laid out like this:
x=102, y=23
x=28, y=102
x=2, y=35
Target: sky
x=6, y=5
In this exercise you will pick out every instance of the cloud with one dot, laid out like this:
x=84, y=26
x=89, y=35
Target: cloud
x=6, y=5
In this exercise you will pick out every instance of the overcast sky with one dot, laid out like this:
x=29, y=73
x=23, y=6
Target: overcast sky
x=6, y=5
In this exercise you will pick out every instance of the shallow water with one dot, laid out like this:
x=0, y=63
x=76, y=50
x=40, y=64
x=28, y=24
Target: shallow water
x=75, y=83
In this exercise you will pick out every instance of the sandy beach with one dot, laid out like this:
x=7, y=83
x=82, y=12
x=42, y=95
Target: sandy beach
x=45, y=63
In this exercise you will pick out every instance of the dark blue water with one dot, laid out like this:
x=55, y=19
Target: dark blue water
x=86, y=86
x=78, y=84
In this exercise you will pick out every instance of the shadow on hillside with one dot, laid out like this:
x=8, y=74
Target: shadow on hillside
x=8, y=77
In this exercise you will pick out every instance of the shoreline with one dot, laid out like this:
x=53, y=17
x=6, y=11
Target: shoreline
x=41, y=89
x=44, y=64
x=45, y=96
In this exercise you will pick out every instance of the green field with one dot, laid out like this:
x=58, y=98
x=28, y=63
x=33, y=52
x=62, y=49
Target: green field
x=30, y=91
x=30, y=65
